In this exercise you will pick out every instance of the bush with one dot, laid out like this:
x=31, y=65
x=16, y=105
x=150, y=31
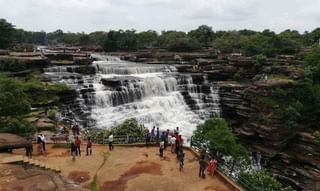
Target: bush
x=129, y=127
x=260, y=59
x=183, y=45
x=261, y=180
x=17, y=126
x=12, y=65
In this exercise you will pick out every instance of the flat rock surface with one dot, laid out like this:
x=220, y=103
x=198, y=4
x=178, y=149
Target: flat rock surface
x=11, y=141
x=131, y=169
x=15, y=177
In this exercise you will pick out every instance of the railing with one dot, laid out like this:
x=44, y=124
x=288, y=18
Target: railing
x=125, y=139
x=227, y=168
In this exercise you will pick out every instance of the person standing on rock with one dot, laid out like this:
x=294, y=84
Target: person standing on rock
x=89, y=146
x=73, y=149
x=203, y=166
x=78, y=144
x=153, y=134
x=158, y=134
x=173, y=143
x=110, y=139
x=29, y=148
x=181, y=159
x=161, y=148
x=43, y=142
x=147, y=138
x=212, y=166
x=39, y=142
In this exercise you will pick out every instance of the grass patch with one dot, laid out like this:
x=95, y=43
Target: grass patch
x=93, y=184
x=60, y=145
x=268, y=102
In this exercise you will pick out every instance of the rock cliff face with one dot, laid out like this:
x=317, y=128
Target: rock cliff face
x=291, y=155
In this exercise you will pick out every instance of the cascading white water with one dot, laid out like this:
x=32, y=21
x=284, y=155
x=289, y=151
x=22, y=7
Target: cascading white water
x=156, y=95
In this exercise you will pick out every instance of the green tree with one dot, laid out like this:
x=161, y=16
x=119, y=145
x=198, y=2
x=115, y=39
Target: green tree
x=129, y=127
x=13, y=100
x=6, y=34
x=19, y=126
x=220, y=139
x=167, y=37
x=203, y=34
x=147, y=39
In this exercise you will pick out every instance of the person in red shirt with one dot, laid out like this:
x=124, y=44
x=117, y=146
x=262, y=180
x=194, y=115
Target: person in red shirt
x=78, y=143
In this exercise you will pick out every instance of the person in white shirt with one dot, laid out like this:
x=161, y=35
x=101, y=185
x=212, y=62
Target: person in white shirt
x=110, y=139
x=43, y=140
x=173, y=143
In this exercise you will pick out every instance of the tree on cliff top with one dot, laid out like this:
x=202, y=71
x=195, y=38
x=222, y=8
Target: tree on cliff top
x=6, y=34
x=220, y=139
x=203, y=34
x=13, y=100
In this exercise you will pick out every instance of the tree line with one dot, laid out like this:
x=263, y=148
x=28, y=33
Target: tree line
x=248, y=42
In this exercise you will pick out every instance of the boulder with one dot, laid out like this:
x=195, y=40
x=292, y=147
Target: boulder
x=10, y=141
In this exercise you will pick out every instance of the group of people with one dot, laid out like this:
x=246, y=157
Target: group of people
x=211, y=166
x=75, y=147
x=164, y=139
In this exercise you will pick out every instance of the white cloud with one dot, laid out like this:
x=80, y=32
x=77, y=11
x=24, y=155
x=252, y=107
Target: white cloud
x=93, y=15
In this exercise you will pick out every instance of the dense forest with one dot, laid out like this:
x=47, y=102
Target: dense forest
x=247, y=42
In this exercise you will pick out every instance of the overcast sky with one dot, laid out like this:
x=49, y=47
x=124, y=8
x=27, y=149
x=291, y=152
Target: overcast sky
x=95, y=15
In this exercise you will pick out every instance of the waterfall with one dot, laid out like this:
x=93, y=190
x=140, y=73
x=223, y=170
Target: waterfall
x=156, y=95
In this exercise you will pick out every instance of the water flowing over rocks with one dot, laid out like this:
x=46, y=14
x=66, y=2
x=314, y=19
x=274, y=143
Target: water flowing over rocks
x=155, y=94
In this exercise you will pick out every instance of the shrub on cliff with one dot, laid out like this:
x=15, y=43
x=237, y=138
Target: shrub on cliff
x=129, y=127
x=183, y=45
x=261, y=180
x=17, y=126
